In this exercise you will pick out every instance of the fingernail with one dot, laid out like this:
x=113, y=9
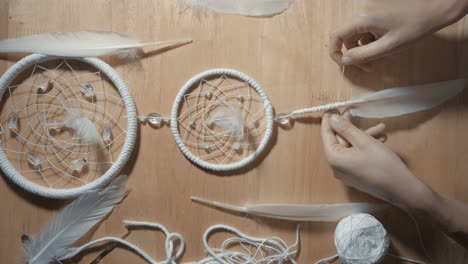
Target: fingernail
x=336, y=118
x=346, y=60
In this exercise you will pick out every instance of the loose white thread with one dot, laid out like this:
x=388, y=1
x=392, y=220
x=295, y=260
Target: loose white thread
x=257, y=250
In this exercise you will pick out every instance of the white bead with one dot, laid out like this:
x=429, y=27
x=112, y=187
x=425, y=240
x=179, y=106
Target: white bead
x=236, y=145
x=87, y=90
x=106, y=134
x=13, y=122
x=78, y=165
x=54, y=125
x=208, y=95
x=154, y=120
x=33, y=159
x=45, y=86
x=284, y=120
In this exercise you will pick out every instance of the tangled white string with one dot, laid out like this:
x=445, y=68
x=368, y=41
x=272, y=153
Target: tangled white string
x=67, y=126
x=169, y=243
x=255, y=250
x=222, y=119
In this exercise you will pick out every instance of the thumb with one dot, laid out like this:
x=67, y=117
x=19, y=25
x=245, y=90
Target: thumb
x=369, y=52
x=347, y=130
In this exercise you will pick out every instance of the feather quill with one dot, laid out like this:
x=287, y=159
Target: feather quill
x=82, y=44
x=299, y=212
x=252, y=8
x=73, y=222
x=85, y=130
x=400, y=101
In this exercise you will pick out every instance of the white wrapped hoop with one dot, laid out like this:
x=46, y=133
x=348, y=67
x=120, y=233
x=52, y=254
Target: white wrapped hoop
x=10, y=171
x=268, y=109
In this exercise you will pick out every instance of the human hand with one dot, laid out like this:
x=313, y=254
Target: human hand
x=384, y=27
x=362, y=161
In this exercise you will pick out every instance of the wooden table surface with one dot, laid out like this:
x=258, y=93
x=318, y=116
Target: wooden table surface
x=288, y=56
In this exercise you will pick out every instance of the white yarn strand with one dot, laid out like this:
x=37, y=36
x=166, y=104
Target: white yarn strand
x=169, y=243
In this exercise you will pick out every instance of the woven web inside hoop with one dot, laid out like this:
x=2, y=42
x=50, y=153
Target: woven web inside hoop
x=223, y=119
x=40, y=148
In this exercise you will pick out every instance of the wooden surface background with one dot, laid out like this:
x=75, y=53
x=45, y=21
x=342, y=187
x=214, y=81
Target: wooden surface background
x=288, y=56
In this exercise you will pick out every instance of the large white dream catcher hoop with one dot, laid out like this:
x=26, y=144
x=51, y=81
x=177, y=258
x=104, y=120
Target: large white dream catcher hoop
x=58, y=125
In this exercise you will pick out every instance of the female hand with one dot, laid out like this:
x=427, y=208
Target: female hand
x=362, y=161
x=386, y=26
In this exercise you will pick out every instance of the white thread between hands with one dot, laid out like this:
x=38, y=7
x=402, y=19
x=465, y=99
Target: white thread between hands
x=278, y=250
x=218, y=164
x=323, y=108
x=11, y=172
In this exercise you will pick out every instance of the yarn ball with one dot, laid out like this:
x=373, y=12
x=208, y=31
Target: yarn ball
x=361, y=239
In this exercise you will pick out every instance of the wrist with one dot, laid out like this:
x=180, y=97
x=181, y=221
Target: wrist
x=438, y=208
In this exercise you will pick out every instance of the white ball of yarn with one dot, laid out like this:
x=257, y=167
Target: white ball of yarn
x=361, y=239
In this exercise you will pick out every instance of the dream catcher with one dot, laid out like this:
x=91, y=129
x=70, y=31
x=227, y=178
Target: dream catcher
x=68, y=124
x=223, y=120
x=66, y=129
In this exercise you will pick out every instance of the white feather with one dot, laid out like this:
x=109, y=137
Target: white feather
x=229, y=118
x=73, y=222
x=81, y=44
x=85, y=130
x=400, y=101
x=299, y=212
x=253, y=8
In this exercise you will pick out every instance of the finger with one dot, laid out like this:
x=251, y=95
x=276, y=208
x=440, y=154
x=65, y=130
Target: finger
x=366, y=67
x=376, y=131
x=347, y=115
x=338, y=38
x=348, y=131
x=366, y=38
x=352, y=42
x=328, y=135
x=342, y=141
x=382, y=138
x=369, y=52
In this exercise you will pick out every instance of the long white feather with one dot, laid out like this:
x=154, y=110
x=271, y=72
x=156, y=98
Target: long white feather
x=252, y=8
x=85, y=130
x=73, y=222
x=81, y=44
x=400, y=101
x=299, y=212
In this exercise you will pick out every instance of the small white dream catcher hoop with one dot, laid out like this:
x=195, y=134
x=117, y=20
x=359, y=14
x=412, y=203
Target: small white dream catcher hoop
x=51, y=101
x=222, y=119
